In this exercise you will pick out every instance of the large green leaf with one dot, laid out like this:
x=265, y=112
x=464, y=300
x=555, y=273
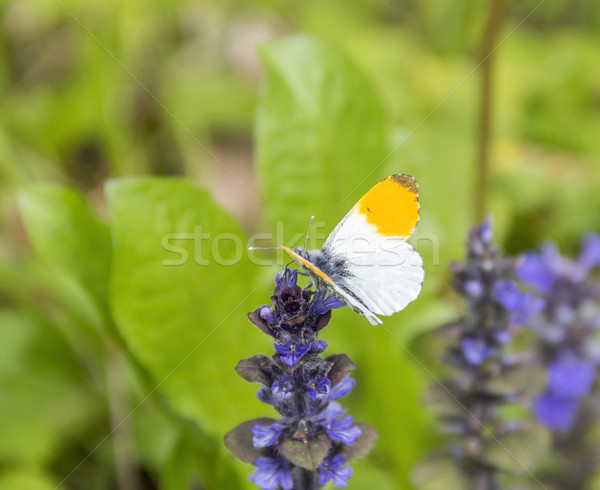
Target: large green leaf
x=320, y=131
x=70, y=239
x=65, y=232
x=185, y=323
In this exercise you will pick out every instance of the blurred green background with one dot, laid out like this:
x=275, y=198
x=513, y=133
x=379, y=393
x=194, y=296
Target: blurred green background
x=116, y=371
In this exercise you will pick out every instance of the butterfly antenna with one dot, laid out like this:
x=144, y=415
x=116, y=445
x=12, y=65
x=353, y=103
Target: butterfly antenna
x=312, y=218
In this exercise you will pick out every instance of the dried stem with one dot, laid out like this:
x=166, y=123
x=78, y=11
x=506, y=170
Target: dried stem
x=489, y=44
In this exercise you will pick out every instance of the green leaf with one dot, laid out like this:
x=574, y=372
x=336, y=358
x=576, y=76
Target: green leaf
x=185, y=323
x=320, y=131
x=66, y=234
x=239, y=440
x=308, y=455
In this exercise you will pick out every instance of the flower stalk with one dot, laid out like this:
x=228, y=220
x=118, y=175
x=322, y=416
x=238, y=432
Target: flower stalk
x=313, y=440
x=476, y=353
x=569, y=351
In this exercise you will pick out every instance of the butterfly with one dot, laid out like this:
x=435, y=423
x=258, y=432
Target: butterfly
x=366, y=260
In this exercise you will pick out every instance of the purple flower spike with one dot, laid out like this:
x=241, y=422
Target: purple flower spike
x=557, y=414
x=318, y=389
x=292, y=352
x=335, y=469
x=342, y=389
x=282, y=391
x=266, y=435
x=590, y=252
x=475, y=350
x=570, y=377
x=270, y=473
x=342, y=430
x=287, y=278
x=319, y=305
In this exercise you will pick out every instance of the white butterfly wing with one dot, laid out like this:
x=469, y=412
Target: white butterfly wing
x=385, y=281
x=383, y=273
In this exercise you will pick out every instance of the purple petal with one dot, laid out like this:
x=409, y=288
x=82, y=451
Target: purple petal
x=292, y=352
x=267, y=313
x=318, y=346
x=319, y=305
x=343, y=431
x=557, y=414
x=521, y=305
x=342, y=389
x=282, y=391
x=266, y=435
x=333, y=411
x=287, y=278
x=590, y=252
x=270, y=473
x=335, y=470
x=475, y=350
x=473, y=288
x=318, y=389
x=533, y=271
x=570, y=377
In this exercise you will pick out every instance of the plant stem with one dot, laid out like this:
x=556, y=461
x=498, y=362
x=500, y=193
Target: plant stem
x=122, y=438
x=305, y=479
x=489, y=44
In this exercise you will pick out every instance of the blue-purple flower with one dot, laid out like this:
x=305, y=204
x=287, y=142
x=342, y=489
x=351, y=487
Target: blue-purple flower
x=520, y=305
x=335, y=469
x=318, y=388
x=555, y=413
x=270, y=473
x=282, y=390
x=287, y=278
x=570, y=377
x=340, y=429
x=535, y=270
x=267, y=314
x=266, y=435
x=292, y=352
x=320, y=304
x=475, y=350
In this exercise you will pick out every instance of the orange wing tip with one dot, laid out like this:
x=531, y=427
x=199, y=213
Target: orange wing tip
x=406, y=181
